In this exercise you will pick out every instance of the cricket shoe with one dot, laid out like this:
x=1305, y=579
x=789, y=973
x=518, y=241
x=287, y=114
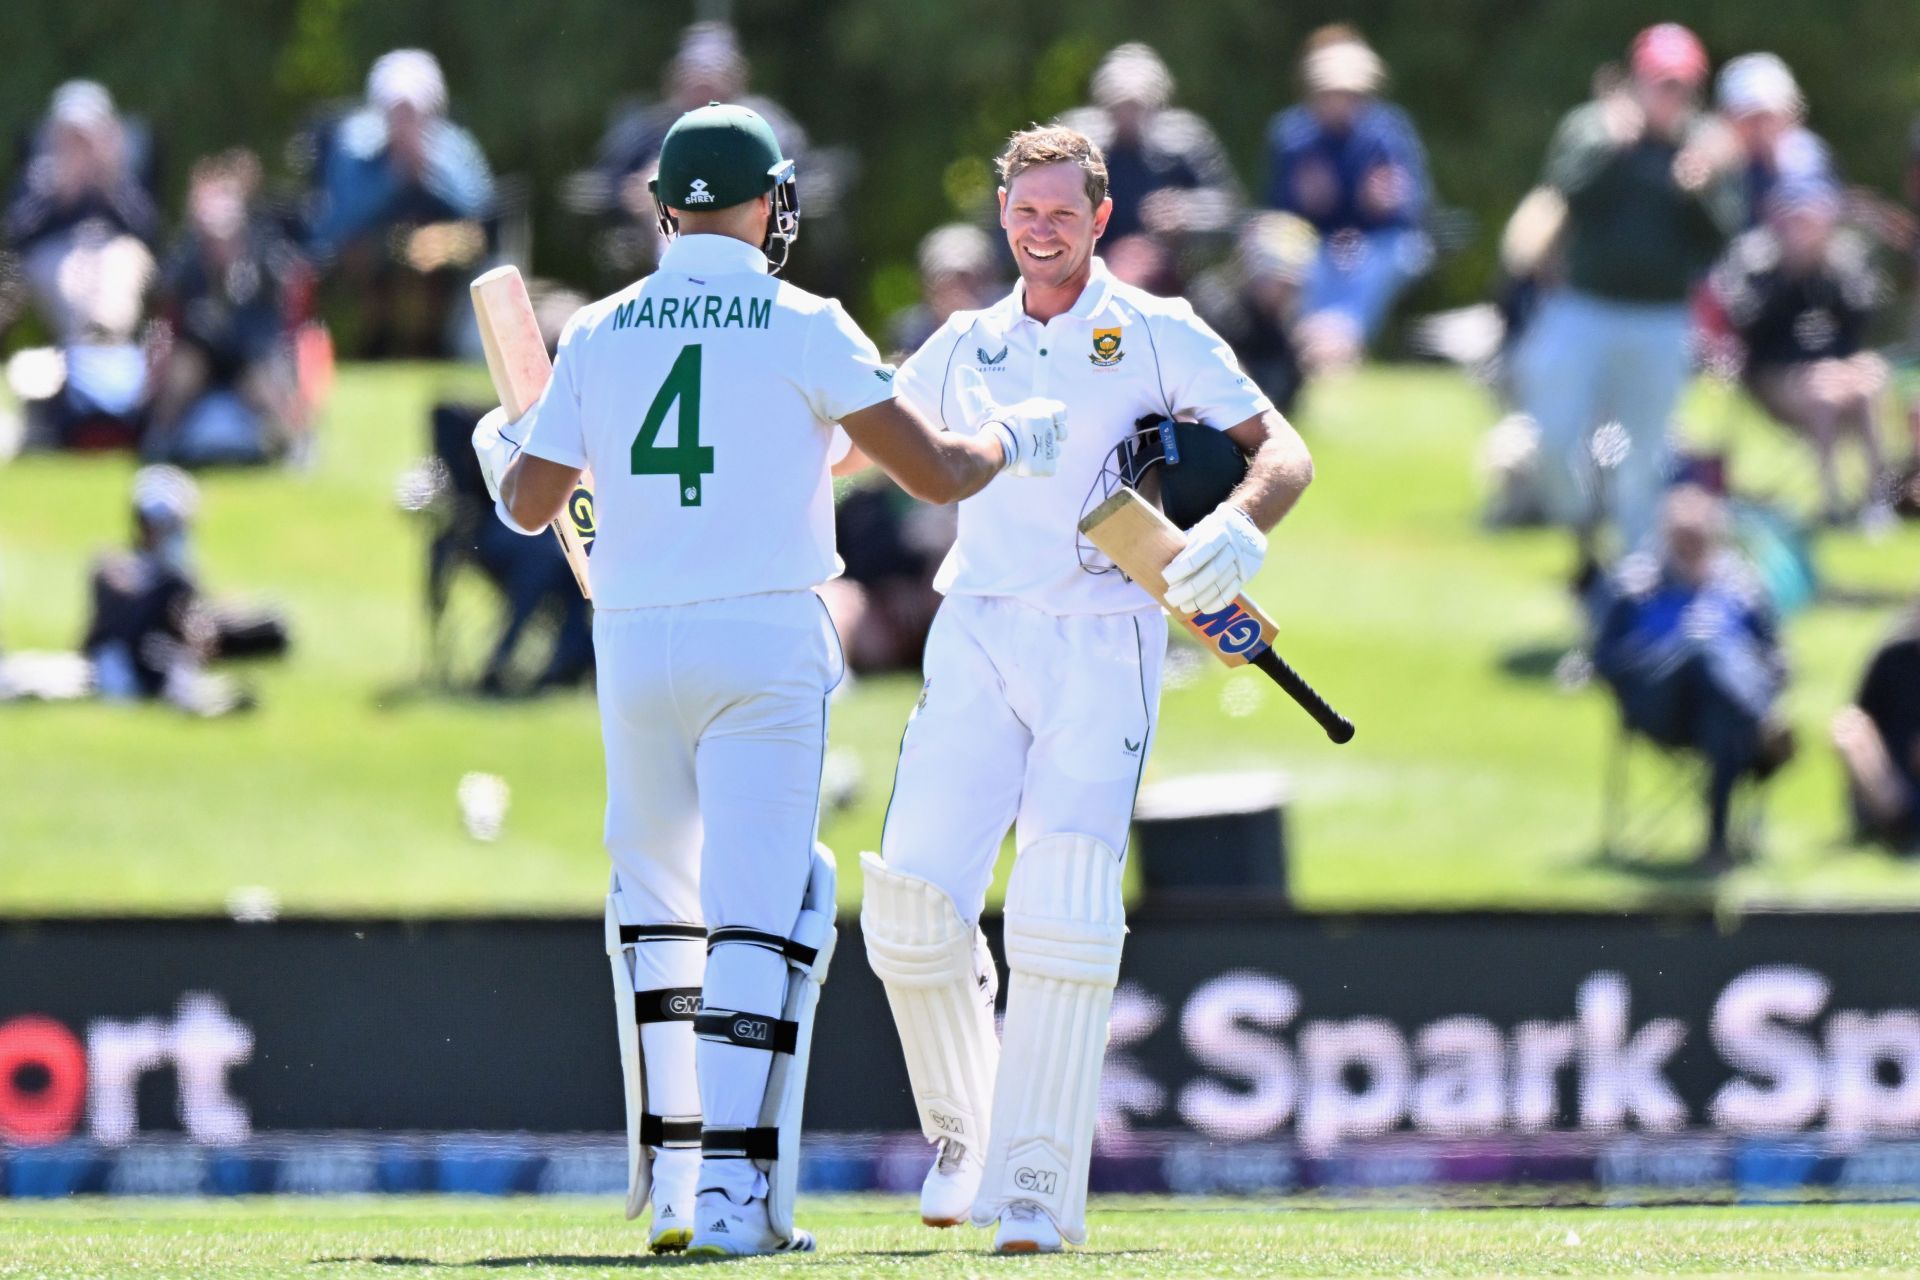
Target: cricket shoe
x=1025, y=1228
x=675, y=1175
x=672, y=1228
x=723, y=1229
x=947, y=1196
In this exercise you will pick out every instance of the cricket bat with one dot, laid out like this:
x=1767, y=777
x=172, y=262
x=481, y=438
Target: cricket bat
x=1137, y=537
x=517, y=359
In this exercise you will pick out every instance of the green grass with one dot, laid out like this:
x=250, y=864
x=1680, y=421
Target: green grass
x=874, y=1236
x=1471, y=783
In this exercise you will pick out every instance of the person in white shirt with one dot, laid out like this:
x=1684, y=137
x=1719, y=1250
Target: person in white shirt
x=704, y=399
x=1042, y=682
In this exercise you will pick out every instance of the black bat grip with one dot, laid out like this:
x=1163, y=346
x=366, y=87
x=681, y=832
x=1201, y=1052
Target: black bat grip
x=1338, y=727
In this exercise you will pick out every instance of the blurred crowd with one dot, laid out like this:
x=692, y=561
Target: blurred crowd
x=1686, y=219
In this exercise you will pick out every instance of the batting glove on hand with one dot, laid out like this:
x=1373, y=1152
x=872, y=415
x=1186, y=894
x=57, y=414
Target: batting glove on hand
x=495, y=451
x=1030, y=433
x=1222, y=552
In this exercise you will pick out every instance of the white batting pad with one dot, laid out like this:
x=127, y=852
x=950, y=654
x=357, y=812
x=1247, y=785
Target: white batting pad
x=657, y=972
x=810, y=951
x=1065, y=927
x=941, y=984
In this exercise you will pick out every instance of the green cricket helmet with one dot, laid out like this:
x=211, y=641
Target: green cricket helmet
x=721, y=155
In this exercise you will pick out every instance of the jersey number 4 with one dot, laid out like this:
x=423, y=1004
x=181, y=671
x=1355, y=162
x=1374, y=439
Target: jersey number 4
x=686, y=459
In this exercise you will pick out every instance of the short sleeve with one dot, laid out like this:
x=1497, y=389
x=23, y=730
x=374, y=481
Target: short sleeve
x=842, y=369
x=553, y=428
x=922, y=380
x=1201, y=375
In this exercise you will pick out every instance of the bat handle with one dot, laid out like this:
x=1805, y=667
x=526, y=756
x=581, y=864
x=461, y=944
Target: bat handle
x=1338, y=727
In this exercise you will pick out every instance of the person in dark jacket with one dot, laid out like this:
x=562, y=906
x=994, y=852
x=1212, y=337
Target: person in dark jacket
x=82, y=220
x=1878, y=738
x=1687, y=642
x=228, y=390
x=1799, y=293
x=1653, y=192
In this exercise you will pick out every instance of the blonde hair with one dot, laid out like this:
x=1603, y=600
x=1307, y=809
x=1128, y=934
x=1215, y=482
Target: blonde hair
x=1054, y=144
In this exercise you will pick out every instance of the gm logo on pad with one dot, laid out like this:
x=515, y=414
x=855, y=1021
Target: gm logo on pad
x=683, y=1006
x=752, y=1029
x=1039, y=1181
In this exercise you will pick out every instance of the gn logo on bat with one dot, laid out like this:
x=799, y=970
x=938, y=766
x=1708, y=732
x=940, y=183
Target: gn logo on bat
x=1232, y=630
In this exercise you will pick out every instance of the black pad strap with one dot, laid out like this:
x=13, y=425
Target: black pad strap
x=748, y=1030
x=631, y=933
x=672, y=1132
x=666, y=1004
x=740, y=1144
x=802, y=956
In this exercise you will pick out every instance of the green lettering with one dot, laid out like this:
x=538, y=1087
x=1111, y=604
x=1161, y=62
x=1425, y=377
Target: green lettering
x=734, y=320
x=710, y=318
x=646, y=312
x=760, y=311
x=669, y=308
x=623, y=315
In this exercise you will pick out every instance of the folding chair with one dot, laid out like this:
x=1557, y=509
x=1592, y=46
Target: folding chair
x=1640, y=819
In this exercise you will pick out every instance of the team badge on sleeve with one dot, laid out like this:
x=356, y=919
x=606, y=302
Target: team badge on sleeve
x=1106, y=348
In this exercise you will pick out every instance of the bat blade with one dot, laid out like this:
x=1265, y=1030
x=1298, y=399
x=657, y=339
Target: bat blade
x=517, y=361
x=1141, y=541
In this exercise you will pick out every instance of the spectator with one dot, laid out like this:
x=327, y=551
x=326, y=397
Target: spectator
x=1652, y=192
x=398, y=164
x=957, y=273
x=81, y=219
x=1353, y=167
x=1143, y=261
x=227, y=390
x=1878, y=738
x=1687, y=643
x=1762, y=103
x=1799, y=294
x=708, y=67
x=151, y=635
x=1169, y=175
x=1253, y=300
x=82, y=222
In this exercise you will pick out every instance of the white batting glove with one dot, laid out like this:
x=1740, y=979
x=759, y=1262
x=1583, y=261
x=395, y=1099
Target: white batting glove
x=495, y=450
x=1223, y=551
x=1030, y=433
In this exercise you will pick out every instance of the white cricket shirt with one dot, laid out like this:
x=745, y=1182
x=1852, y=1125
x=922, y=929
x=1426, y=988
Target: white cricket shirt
x=704, y=399
x=1118, y=355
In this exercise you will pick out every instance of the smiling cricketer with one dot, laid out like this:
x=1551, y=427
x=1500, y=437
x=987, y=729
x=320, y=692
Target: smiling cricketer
x=1042, y=688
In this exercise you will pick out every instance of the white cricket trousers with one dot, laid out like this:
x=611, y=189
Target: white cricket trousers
x=1028, y=719
x=714, y=720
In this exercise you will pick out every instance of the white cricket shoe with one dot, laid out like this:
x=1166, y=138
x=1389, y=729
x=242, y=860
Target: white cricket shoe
x=674, y=1178
x=1025, y=1228
x=672, y=1226
x=723, y=1229
x=947, y=1196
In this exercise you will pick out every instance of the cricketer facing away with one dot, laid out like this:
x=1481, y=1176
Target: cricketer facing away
x=704, y=399
x=1042, y=684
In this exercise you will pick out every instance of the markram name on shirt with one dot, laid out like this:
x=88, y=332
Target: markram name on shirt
x=700, y=311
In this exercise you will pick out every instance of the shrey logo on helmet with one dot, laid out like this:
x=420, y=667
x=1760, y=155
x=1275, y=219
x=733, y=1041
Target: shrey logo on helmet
x=697, y=192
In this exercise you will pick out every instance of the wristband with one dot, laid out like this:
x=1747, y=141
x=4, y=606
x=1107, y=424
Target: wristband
x=1009, y=448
